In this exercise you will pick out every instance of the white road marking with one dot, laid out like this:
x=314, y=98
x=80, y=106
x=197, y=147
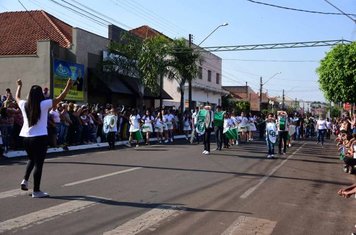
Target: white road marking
x=12, y=193
x=250, y=226
x=46, y=214
x=144, y=221
x=252, y=189
x=102, y=176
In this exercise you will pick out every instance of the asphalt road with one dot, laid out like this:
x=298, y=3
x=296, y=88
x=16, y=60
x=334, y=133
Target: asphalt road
x=174, y=189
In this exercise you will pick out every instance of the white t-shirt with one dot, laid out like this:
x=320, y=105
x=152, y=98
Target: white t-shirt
x=321, y=124
x=134, y=123
x=56, y=115
x=40, y=128
x=107, y=122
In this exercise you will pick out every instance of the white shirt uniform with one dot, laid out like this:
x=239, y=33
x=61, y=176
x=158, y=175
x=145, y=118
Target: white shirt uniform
x=134, y=123
x=40, y=128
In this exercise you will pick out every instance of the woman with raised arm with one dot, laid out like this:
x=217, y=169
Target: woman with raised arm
x=34, y=130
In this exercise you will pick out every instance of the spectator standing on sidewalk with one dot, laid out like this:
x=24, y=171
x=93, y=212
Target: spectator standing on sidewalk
x=34, y=130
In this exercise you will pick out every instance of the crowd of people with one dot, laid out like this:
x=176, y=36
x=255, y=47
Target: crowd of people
x=72, y=124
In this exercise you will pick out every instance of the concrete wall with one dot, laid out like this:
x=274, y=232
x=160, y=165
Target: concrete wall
x=31, y=69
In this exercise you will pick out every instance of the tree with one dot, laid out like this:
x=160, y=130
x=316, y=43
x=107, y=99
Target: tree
x=154, y=63
x=145, y=60
x=183, y=66
x=337, y=74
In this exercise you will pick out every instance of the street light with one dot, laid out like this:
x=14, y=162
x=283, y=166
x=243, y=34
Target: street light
x=224, y=24
x=190, y=80
x=261, y=85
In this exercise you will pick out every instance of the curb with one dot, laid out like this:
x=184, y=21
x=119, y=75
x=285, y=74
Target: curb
x=22, y=153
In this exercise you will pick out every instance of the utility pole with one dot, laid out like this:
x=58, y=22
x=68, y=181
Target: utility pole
x=283, y=98
x=190, y=80
x=261, y=84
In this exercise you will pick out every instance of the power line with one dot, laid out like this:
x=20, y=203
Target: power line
x=341, y=11
x=29, y=13
x=59, y=14
x=102, y=15
x=301, y=10
x=142, y=12
x=81, y=14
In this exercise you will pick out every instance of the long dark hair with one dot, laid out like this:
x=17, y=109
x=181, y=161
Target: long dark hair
x=33, y=105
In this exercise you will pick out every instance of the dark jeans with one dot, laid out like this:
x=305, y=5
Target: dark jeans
x=207, y=139
x=321, y=134
x=350, y=161
x=111, y=139
x=282, y=136
x=219, y=136
x=36, y=148
x=270, y=146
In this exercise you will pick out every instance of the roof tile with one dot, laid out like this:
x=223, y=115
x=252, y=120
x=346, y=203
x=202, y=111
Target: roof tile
x=20, y=31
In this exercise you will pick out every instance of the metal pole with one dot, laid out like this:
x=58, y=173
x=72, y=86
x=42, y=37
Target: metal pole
x=190, y=105
x=261, y=84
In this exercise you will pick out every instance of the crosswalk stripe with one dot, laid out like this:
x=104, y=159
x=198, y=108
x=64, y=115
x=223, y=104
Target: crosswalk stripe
x=47, y=214
x=102, y=176
x=249, y=226
x=12, y=193
x=144, y=221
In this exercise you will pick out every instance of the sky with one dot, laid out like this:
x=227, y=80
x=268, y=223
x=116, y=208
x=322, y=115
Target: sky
x=249, y=23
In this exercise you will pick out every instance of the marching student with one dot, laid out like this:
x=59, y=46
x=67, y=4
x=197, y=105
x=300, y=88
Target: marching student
x=271, y=131
x=134, y=130
x=147, y=128
x=219, y=126
x=34, y=130
x=208, y=124
x=110, y=127
x=282, y=127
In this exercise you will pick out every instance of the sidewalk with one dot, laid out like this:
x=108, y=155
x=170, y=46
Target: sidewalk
x=22, y=153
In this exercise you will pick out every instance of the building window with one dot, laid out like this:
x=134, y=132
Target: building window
x=217, y=78
x=209, y=76
x=200, y=72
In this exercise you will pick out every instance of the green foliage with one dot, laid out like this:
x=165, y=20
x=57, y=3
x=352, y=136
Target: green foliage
x=242, y=106
x=125, y=54
x=335, y=112
x=337, y=74
x=153, y=61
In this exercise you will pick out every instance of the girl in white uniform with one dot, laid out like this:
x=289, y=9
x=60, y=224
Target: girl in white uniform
x=147, y=128
x=134, y=121
x=169, y=120
x=158, y=126
x=187, y=124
